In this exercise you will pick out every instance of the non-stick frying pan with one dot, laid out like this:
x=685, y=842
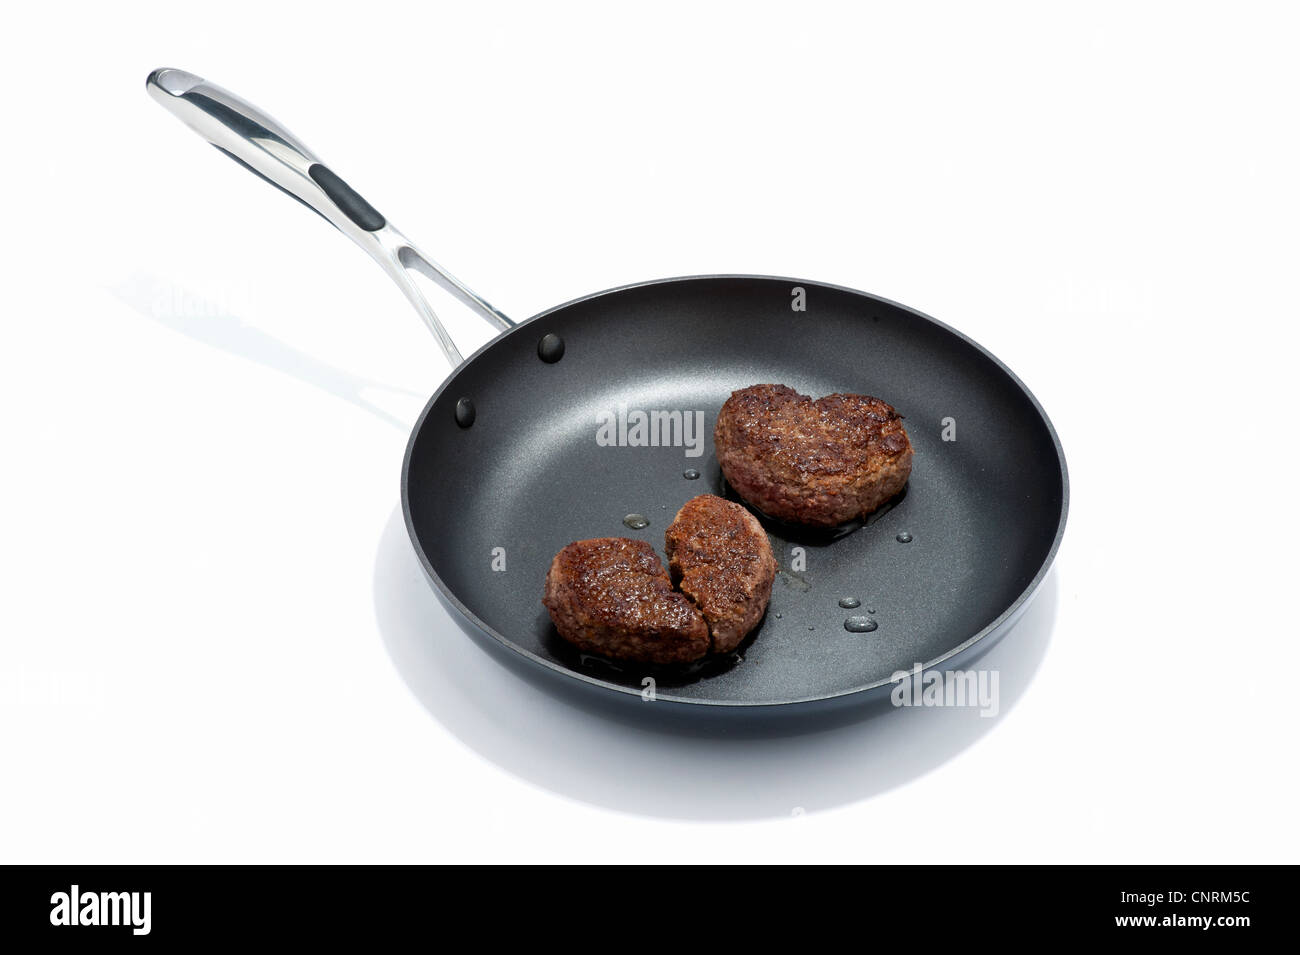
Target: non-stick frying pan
x=537, y=440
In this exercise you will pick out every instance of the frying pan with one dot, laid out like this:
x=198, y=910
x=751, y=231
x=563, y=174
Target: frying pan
x=539, y=439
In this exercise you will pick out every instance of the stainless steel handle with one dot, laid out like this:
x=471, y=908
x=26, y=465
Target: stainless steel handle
x=260, y=144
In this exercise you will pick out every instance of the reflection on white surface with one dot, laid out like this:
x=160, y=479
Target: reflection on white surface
x=546, y=741
x=215, y=323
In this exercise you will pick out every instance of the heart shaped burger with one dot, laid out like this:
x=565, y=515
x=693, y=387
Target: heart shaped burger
x=821, y=462
x=612, y=596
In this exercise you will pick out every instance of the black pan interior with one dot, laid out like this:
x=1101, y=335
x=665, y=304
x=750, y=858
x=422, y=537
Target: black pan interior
x=983, y=511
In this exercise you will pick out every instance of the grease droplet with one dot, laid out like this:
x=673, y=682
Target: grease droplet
x=691, y=474
x=636, y=521
x=860, y=625
x=848, y=603
x=904, y=538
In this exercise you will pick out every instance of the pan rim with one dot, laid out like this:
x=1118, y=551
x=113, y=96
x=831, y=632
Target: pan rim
x=995, y=627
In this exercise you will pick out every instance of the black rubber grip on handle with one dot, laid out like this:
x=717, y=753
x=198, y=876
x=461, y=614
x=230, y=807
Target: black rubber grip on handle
x=346, y=198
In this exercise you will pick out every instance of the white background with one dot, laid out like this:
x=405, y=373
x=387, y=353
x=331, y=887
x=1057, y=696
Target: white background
x=216, y=643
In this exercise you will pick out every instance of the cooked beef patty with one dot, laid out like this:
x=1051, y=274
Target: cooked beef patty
x=720, y=558
x=819, y=462
x=611, y=595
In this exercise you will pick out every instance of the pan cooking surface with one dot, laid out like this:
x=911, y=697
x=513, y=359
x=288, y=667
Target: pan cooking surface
x=543, y=464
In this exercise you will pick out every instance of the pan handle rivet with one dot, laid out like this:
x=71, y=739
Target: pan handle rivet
x=464, y=412
x=551, y=348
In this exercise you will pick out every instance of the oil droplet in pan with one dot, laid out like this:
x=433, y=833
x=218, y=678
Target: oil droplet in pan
x=860, y=625
x=691, y=474
x=636, y=521
x=904, y=538
x=849, y=603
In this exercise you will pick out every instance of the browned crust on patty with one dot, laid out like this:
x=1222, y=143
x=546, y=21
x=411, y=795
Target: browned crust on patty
x=720, y=557
x=819, y=462
x=611, y=595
